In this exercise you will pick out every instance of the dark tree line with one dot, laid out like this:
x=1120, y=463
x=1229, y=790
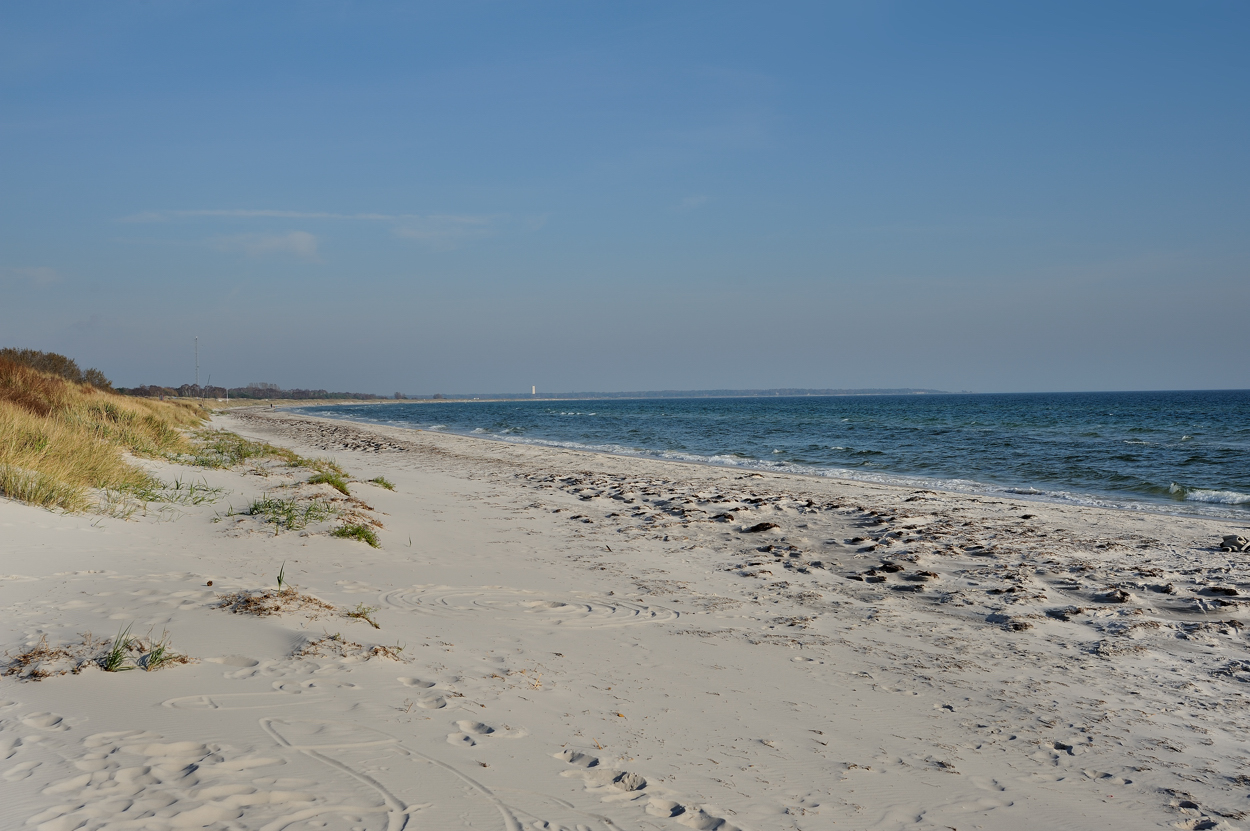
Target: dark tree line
x=259, y=392
x=54, y=364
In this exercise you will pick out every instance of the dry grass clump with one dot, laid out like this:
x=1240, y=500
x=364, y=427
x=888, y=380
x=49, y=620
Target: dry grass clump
x=58, y=439
x=119, y=655
x=273, y=602
x=335, y=646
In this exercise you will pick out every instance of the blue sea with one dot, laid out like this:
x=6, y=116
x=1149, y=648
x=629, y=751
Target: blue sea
x=1182, y=452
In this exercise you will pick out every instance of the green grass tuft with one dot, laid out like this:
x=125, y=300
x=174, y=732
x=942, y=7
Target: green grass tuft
x=334, y=480
x=290, y=514
x=115, y=659
x=357, y=532
x=161, y=653
x=383, y=482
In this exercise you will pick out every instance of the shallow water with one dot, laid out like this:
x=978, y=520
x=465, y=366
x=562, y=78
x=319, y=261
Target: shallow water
x=1178, y=451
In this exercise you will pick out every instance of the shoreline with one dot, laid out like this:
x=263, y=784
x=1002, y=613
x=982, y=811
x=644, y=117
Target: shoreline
x=616, y=642
x=897, y=480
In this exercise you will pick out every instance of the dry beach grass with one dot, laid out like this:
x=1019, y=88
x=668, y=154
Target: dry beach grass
x=58, y=439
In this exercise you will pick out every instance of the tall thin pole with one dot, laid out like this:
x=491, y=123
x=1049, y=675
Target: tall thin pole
x=197, y=361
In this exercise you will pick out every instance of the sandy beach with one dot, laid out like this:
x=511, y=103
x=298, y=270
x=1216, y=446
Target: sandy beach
x=579, y=641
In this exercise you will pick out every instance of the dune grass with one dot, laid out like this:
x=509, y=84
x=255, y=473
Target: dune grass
x=223, y=449
x=358, y=531
x=334, y=480
x=60, y=439
x=383, y=482
x=290, y=514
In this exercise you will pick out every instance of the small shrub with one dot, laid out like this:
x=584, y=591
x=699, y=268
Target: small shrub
x=383, y=482
x=359, y=531
x=365, y=613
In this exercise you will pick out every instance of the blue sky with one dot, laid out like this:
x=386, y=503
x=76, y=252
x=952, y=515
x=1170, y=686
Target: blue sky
x=588, y=196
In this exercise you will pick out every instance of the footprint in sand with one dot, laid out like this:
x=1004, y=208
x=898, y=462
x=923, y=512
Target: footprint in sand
x=45, y=721
x=631, y=787
x=122, y=779
x=20, y=771
x=415, y=682
x=233, y=661
x=461, y=740
x=475, y=727
x=470, y=731
x=1108, y=778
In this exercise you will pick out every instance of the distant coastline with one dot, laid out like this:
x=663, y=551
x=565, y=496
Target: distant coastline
x=271, y=392
x=781, y=392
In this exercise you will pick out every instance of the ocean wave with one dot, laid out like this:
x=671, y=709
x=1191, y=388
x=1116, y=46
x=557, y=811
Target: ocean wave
x=1126, y=486
x=1218, y=497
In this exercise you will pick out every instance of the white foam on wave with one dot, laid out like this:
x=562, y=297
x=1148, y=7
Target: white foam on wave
x=1217, y=497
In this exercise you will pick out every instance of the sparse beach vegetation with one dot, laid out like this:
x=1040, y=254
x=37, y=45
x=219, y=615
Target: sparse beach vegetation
x=336, y=646
x=383, y=482
x=357, y=531
x=121, y=654
x=293, y=514
x=365, y=613
x=332, y=478
x=269, y=602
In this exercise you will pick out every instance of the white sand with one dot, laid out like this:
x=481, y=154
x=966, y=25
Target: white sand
x=586, y=647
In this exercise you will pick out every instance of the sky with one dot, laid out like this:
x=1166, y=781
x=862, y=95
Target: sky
x=485, y=196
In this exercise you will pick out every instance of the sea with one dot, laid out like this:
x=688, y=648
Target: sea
x=1173, y=452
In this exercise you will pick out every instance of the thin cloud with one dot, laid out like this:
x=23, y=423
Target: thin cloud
x=436, y=230
x=165, y=216
x=447, y=230
x=299, y=244
x=38, y=276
